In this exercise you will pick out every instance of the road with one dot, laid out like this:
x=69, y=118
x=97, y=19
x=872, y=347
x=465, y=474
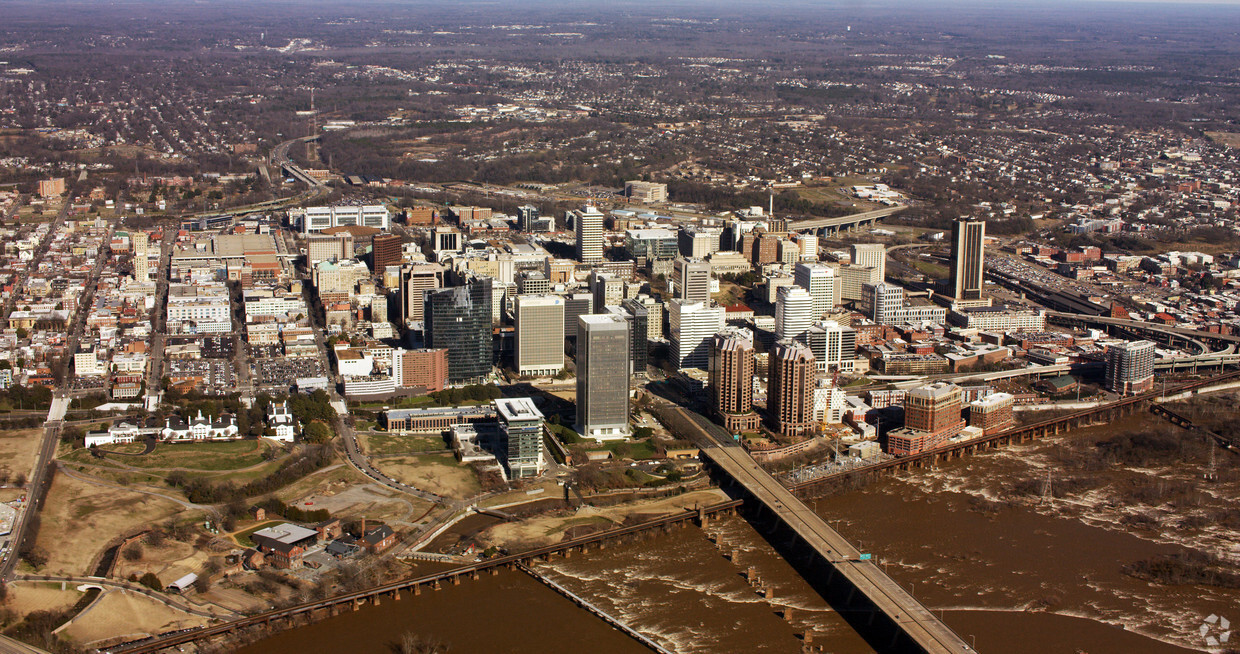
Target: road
x=159, y=315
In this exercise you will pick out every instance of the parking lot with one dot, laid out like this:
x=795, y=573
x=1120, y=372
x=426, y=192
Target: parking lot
x=218, y=376
x=283, y=373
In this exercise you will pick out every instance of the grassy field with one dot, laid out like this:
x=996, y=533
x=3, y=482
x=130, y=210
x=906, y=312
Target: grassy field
x=929, y=268
x=213, y=457
x=1230, y=139
x=390, y=443
x=79, y=519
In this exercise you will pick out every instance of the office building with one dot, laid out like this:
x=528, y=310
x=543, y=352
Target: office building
x=141, y=267
x=869, y=255
x=608, y=291
x=385, y=251
x=834, y=346
x=529, y=220
x=317, y=219
x=692, y=325
x=577, y=304
x=539, y=325
x=698, y=242
x=820, y=282
x=852, y=281
x=333, y=248
x=636, y=316
x=415, y=280
x=931, y=417
x=731, y=382
x=647, y=192
x=588, y=223
x=968, y=240
x=52, y=187
x=459, y=319
x=794, y=312
x=650, y=244
x=533, y=282
x=993, y=413
x=886, y=305
x=830, y=403
x=790, y=389
x=426, y=369
x=446, y=239
x=692, y=279
x=1130, y=367
x=521, y=436
x=602, y=377
x=654, y=314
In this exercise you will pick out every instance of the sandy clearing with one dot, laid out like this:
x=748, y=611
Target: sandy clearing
x=25, y=596
x=121, y=614
x=548, y=530
x=17, y=450
x=436, y=474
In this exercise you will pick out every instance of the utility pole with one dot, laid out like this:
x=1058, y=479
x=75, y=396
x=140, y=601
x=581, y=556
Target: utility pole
x=1047, y=496
x=1212, y=468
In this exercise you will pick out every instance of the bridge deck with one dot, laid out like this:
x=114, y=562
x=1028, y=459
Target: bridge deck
x=921, y=626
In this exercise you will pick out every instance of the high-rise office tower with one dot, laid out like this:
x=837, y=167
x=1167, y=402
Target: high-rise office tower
x=141, y=266
x=577, y=304
x=968, y=237
x=415, y=280
x=790, y=389
x=692, y=325
x=602, y=377
x=589, y=225
x=692, y=279
x=1130, y=367
x=385, y=251
x=794, y=312
x=822, y=285
x=731, y=382
x=459, y=319
x=521, y=428
x=539, y=326
x=636, y=316
x=870, y=255
x=832, y=344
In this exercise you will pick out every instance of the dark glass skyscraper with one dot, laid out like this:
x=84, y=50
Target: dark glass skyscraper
x=459, y=319
x=968, y=237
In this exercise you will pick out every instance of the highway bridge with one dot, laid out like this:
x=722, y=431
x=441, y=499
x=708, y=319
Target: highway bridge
x=1101, y=414
x=915, y=627
x=834, y=225
x=325, y=608
x=279, y=157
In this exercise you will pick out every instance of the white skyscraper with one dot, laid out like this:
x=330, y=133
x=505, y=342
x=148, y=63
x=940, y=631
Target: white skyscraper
x=820, y=281
x=589, y=224
x=692, y=279
x=693, y=324
x=793, y=312
x=871, y=255
x=539, y=326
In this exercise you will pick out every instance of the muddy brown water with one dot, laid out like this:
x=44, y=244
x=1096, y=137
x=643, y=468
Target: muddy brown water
x=1020, y=579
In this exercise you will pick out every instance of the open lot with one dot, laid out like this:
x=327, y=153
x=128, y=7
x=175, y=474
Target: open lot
x=17, y=450
x=395, y=443
x=121, y=615
x=439, y=474
x=79, y=519
x=170, y=561
x=550, y=529
x=26, y=596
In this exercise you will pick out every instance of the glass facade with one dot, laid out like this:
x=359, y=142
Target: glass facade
x=459, y=319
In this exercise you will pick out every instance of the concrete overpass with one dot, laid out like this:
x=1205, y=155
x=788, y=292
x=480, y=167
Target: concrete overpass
x=834, y=225
x=920, y=629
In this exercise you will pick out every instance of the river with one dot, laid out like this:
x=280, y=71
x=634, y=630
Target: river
x=1015, y=577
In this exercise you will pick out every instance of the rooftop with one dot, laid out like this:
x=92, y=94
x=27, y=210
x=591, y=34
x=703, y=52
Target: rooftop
x=517, y=408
